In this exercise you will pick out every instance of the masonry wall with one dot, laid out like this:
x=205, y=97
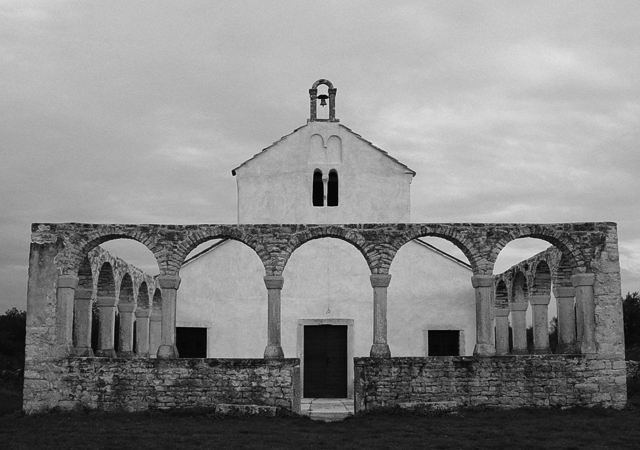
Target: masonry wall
x=108, y=384
x=502, y=382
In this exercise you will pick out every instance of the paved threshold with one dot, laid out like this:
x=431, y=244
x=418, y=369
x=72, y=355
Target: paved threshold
x=327, y=409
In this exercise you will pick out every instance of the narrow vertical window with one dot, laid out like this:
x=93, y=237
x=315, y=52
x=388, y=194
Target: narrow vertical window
x=332, y=189
x=317, y=196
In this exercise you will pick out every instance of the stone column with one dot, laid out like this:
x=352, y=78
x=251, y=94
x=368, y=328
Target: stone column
x=583, y=283
x=566, y=320
x=485, y=342
x=519, y=328
x=169, y=285
x=274, y=285
x=64, y=314
x=107, y=311
x=155, y=332
x=82, y=332
x=125, y=347
x=142, y=332
x=540, y=305
x=502, y=330
x=380, y=348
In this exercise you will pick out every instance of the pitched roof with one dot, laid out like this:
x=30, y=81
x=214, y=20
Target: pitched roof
x=233, y=171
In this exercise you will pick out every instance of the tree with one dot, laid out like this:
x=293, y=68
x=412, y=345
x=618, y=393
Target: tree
x=631, y=317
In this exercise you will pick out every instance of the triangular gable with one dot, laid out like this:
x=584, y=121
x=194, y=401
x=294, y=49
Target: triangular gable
x=264, y=150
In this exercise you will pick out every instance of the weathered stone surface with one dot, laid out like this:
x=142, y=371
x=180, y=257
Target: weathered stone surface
x=501, y=382
x=120, y=384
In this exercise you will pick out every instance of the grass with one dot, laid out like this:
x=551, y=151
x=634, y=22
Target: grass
x=520, y=429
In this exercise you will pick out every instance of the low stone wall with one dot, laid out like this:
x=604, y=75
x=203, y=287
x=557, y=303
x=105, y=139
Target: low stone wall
x=111, y=384
x=502, y=382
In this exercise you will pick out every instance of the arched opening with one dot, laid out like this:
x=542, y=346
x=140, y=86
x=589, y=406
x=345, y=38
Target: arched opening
x=222, y=302
x=431, y=306
x=83, y=310
x=317, y=197
x=104, y=324
x=121, y=265
x=327, y=314
x=332, y=188
x=322, y=102
x=529, y=264
x=126, y=318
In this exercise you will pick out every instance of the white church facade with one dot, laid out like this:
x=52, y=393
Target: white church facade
x=324, y=173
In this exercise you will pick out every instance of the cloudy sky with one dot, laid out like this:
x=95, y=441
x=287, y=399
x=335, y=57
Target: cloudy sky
x=136, y=112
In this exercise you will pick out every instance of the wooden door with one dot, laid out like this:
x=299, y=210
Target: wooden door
x=325, y=361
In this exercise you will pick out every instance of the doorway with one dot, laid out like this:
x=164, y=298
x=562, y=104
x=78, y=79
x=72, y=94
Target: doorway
x=325, y=349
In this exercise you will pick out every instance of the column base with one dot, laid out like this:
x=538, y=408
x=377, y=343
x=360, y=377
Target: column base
x=587, y=348
x=107, y=353
x=168, y=352
x=520, y=352
x=542, y=351
x=380, y=351
x=484, y=350
x=126, y=354
x=568, y=349
x=142, y=355
x=86, y=352
x=273, y=352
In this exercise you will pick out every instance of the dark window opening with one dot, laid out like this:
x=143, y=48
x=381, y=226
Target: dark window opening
x=444, y=343
x=332, y=189
x=318, y=189
x=191, y=342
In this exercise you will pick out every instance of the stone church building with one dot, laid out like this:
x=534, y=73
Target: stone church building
x=324, y=173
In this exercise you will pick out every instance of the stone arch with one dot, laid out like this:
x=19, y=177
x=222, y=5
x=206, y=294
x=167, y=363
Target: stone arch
x=562, y=274
x=143, y=296
x=94, y=239
x=561, y=240
x=519, y=288
x=85, y=276
x=456, y=237
x=322, y=81
x=501, y=299
x=156, y=301
x=310, y=234
x=106, y=281
x=193, y=240
x=541, y=280
x=126, y=290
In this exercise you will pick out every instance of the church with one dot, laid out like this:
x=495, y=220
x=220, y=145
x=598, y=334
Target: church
x=324, y=173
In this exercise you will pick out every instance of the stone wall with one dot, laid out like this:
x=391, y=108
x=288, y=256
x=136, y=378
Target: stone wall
x=501, y=382
x=112, y=384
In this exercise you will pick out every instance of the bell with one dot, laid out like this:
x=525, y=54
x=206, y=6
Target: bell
x=323, y=99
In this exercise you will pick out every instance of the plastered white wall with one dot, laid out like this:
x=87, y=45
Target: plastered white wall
x=276, y=185
x=325, y=278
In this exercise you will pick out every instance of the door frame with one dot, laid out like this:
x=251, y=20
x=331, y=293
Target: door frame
x=350, y=335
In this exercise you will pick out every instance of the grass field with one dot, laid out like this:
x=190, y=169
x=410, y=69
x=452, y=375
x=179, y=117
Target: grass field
x=491, y=429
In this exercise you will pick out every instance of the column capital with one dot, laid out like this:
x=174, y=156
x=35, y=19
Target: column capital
x=583, y=279
x=563, y=291
x=518, y=306
x=156, y=316
x=380, y=280
x=106, y=301
x=143, y=313
x=83, y=294
x=540, y=299
x=482, y=281
x=502, y=312
x=274, y=281
x=126, y=307
x=169, y=281
x=68, y=281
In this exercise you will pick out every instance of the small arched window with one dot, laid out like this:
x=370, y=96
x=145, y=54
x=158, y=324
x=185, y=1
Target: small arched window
x=332, y=189
x=317, y=197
